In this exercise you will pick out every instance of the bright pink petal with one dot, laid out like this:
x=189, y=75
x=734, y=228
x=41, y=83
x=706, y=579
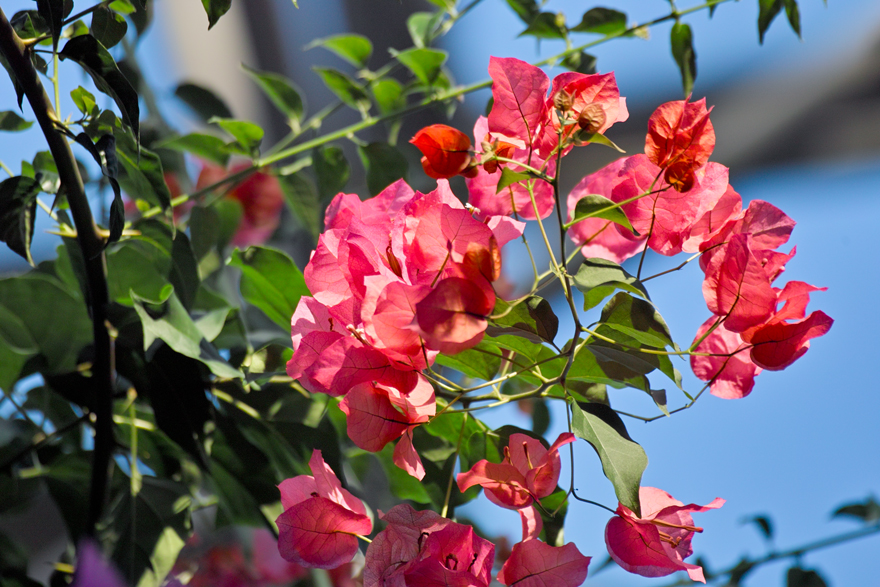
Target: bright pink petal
x=736, y=286
x=453, y=317
x=728, y=207
x=778, y=345
x=732, y=376
x=504, y=484
x=328, y=485
x=372, y=420
x=319, y=533
x=297, y=489
x=532, y=524
x=519, y=90
x=505, y=229
x=533, y=563
x=407, y=457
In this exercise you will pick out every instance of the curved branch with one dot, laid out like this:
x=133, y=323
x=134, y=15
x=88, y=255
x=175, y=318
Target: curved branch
x=91, y=244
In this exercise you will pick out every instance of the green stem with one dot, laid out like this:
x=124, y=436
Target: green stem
x=6, y=169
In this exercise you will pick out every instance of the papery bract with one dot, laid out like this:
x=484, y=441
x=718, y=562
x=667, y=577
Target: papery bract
x=446, y=150
x=732, y=376
x=680, y=139
x=519, y=90
x=321, y=520
x=425, y=549
x=655, y=544
x=453, y=317
x=533, y=563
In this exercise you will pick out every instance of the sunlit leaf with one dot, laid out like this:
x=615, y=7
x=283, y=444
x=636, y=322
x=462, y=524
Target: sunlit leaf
x=281, y=92
x=356, y=49
x=603, y=21
x=271, y=281
x=683, y=52
x=18, y=208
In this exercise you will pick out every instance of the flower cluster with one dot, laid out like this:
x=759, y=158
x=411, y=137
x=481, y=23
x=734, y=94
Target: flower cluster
x=394, y=281
x=676, y=200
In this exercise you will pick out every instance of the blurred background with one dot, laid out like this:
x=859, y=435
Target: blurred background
x=798, y=123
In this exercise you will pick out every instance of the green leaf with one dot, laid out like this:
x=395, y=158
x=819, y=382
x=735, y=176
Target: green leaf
x=345, y=88
x=18, y=211
x=204, y=146
x=99, y=64
x=683, y=52
x=355, y=49
x=402, y=484
x=532, y=319
x=510, y=177
x=547, y=25
x=142, y=176
x=598, y=278
x=868, y=511
x=332, y=170
x=798, y=577
x=12, y=122
x=580, y=62
x=205, y=103
x=271, y=281
x=108, y=27
x=794, y=16
x=67, y=480
x=281, y=92
x=526, y=10
x=424, y=63
x=138, y=267
x=602, y=21
x=248, y=134
x=152, y=526
x=623, y=460
x=384, y=165
x=16, y=347
x=84, y=101
x=52, y=12
x=763, y=523
x=122, y=7
x=420, y=25
x=215, y=9
x=480, y=362
x=44, y=165
x=388, y=94
x=302, y=200
x=638, y=319
x=171, y=323
x=596, y=206
x=553, y=525
x=768, y=9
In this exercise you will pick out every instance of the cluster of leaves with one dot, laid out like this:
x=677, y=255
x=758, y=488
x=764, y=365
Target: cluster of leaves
x=204, y=413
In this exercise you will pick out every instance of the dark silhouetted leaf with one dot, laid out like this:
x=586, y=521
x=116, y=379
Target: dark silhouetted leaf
x=332, y=170
x=580, y=62
x=302, y=200
x=794, y=16
x=215, y=9
x=52, y=12
x=763, y=523
x=798, y=577
x=108, y=27
x=12, y=122
x=204, y=146
x=99, y=64
x=18, y=208
x=202, y=101
x=547, y=25
x=868, y=511
x=384, y=164
x=768, y=9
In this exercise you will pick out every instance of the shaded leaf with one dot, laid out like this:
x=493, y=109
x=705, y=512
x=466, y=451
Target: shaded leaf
x=526, y=10
x=18, y=208
x=794, y=16
x=684, y=55
x=271, y=281
x=142, y=175
x=215, y=9
x=356, y=49
x=768, y=9
x=384, y=164
x=108, y=27
x=603, y=21
x=331, y=169
x=52, y=12
x=798, y=577
x=16, y=347
x=598, y=278
x=547, y=25
x=99, y=64
x=424, y=63
x=623, y=461
x=345, y=88
x=763, y=523
x=247, y=134
x=205, y=103
x=868, y=511
x=532, y=319
x=302, y=200
x=480, y=362
x=281, y=92
x=12, y=122
x=204, y=146
x=580, y=62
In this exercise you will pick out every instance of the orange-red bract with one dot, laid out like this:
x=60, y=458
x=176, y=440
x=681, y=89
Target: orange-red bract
x=446, y=150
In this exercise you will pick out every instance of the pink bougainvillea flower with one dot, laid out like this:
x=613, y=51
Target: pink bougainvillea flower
x=656, y=544
x=731, y=376
x=425, y=549
x=454, y=316
x=269, y=568
x=519, y=90
x=515, y=198
x=680, y=139
x=703, y=231
x=528, y=472
x=446, y=150
x=533, y=563
x=261, y=202
x=786, y=336
x=737, y=286
x=377, y=415
x=598, y=237
x=321, y=520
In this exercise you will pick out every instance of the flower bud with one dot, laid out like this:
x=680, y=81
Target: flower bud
x=592, y=118
x=562, y=101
